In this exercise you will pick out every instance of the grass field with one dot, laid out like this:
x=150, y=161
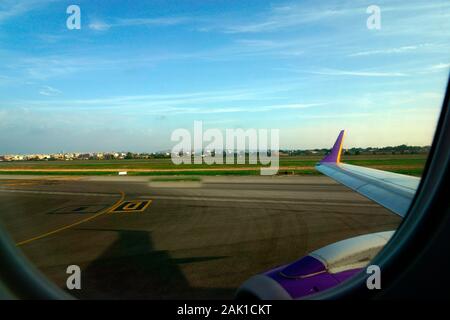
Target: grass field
x=406, y=164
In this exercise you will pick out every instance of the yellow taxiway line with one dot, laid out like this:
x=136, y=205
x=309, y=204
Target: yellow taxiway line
x=122, y=197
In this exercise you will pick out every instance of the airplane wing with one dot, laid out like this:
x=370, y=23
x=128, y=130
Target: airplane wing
x=391, y=190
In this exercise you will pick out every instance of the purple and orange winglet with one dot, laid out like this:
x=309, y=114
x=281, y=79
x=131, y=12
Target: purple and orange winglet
x=335, y=155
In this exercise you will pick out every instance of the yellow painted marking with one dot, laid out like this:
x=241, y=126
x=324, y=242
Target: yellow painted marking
x=132, y=206
x=122, y=197
x=146, y=206
x=113, y=207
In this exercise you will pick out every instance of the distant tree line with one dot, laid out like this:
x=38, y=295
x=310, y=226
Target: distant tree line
x=401, y=149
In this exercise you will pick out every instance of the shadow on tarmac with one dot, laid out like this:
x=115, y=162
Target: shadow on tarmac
x=132, y=269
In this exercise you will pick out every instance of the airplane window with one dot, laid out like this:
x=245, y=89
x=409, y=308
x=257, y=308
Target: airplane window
x=214, y=149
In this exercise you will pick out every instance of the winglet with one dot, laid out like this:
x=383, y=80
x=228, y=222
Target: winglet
x=335, y=155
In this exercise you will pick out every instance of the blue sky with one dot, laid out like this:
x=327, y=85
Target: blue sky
x=137, y=70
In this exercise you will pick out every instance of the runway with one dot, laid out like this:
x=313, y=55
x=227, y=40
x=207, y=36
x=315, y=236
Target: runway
x=134, y=238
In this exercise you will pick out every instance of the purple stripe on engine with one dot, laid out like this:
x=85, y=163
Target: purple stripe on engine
x=307, y=276
x=305, y=266
x=302, y=287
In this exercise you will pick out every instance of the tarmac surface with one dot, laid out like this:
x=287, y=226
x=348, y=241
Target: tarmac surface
x=134, y=238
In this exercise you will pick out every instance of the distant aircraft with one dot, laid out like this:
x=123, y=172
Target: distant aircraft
x=328, y=266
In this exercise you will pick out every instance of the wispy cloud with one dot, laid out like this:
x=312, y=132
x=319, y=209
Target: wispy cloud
x=50, y=66
x=440, y=66
x=402, y=49
x=263, y=108
x=49, y=91
x=336, y=72
x=435, y=68
x=99, y=25
x=239, y=109
x=51, y=38
x=164, y=101
x=208, y=102
x=13, y=8
x=332, y=13
x=289, y=16
x=43, y=68
x=332, y=116
x=267, y=46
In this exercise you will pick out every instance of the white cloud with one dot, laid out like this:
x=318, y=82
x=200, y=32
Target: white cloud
x=440, y=66
x=46, y=67
x=12, y=8
x=390, y=50
x=334, y=116
x=165, y=21
x=255, y=46
x=99, y=25
x=336, y=72
x=290, y=16
x=49, y=91
x=264, y=108
x=208, y=102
